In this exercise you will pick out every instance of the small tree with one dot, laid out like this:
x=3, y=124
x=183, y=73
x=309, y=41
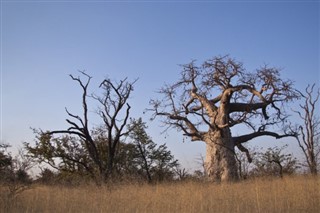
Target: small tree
x=153, y=162
x=47, y=176
x=182, y=173
x=274, y=162
x=6, y=162
x=163, y=163
x=14, y=171
x=309, y=139
x=144, y=147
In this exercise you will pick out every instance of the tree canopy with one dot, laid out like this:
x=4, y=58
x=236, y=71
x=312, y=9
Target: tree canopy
x=210, y=99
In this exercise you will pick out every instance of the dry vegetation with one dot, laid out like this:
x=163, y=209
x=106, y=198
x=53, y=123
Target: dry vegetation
x=298, y=194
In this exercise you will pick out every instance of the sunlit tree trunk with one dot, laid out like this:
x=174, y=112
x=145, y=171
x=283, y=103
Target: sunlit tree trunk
x=220, y=161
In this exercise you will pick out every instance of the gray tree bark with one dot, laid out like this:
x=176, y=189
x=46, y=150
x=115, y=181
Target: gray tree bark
x=220, y=161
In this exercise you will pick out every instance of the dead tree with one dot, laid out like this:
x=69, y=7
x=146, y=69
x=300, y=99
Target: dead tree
x=309, y=140
x=114, y=111
x=212, y=98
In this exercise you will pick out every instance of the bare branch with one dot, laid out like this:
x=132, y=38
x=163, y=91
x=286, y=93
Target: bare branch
x=247, y=137
x=310, y=130
x=219, y=95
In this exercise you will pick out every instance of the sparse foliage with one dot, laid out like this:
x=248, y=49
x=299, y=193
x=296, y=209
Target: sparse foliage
x=210, y=99
x=274, y=162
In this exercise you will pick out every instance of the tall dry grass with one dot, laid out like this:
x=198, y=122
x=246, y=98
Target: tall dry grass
x=298, y=194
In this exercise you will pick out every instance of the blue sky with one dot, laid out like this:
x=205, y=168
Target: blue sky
x=42, y=42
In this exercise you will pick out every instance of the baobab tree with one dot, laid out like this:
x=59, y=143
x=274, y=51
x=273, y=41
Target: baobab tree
x=211, y=99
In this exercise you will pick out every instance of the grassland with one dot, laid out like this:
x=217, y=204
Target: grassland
x=291, y=194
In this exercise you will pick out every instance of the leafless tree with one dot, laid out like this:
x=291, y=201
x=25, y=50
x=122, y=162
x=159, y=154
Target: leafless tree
x=98, y=153
x=208, y=100
x=309, y=139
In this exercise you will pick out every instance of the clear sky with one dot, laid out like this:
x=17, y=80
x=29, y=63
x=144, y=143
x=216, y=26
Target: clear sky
x=42, y=42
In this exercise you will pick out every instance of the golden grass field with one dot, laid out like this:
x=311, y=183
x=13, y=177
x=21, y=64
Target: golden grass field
x=291, y=194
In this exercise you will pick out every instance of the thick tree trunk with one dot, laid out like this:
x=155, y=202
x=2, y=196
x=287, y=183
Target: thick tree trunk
x=220, y=162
